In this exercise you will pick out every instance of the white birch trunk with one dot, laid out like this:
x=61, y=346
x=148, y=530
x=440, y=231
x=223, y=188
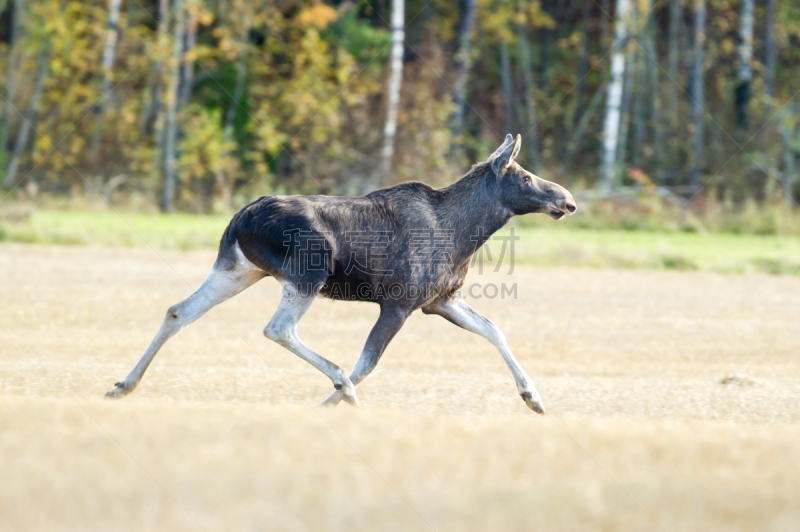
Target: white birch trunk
x=393, y=92
x=614, y=99
x=109, y=48
x=172, y=110
x=625, y=111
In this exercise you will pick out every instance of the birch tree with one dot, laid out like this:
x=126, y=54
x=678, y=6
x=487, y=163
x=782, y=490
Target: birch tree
x=625, y=111
x=614, y=99
x=697, y=90
x=393, y=90
x=109, y=48
x=171, y=131
x=745, y=72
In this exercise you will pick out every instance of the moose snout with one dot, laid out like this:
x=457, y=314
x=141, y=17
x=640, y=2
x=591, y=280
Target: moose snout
x=567, y=203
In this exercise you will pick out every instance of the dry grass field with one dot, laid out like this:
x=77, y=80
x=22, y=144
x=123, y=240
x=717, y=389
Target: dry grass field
x=222, y=434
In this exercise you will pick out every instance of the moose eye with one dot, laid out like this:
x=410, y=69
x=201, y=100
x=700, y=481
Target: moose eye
x=526, y=180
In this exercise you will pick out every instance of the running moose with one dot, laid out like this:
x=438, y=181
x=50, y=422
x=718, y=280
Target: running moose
x=315, y=245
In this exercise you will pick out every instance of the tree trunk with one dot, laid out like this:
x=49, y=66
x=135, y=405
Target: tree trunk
x=109, y=48
x=625, y=115
x=675, y=26
x=156, y=108
x=155, y=79
x=788, y=155
x=697, y=90
x=605, y=20
x=11, y=84
x=230, y=113
x=745, y=73
x=546, y=40
x=638, y=109
x=614, y=99
x=508, y=90
x=532, y=135
x=238, y=89
x=463, y=61
x=580, y=130
x=393, y=91
x=769, y=58
x=172, y=110
x=42, y=62
x=655, y=94
x=582, y=60
x=187, y=74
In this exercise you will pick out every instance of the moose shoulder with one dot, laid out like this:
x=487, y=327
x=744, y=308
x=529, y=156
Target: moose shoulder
x=405, y=247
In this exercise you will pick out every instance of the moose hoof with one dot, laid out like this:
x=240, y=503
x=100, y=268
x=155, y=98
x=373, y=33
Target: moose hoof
x=334, y=399
x=119, y=390
x=533, y=401
x=347, y=391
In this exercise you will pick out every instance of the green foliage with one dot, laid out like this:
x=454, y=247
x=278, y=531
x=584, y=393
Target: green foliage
x=311, y=112
x=367, y=44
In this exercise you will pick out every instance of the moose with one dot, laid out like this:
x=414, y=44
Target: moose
x=376, y=248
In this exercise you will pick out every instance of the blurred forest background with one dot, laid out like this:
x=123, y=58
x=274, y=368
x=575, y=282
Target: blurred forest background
x=642, y=107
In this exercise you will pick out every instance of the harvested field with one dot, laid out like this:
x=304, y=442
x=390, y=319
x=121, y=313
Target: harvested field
x=673, y=404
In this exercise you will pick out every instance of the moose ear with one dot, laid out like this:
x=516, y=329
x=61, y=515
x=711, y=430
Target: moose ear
x=503, y=156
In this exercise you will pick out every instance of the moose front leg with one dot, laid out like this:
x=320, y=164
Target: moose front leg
x=458, y=312
x=388, y=324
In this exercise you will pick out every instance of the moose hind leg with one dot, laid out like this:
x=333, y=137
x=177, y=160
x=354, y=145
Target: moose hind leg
x=282, y=329
x=219, y=286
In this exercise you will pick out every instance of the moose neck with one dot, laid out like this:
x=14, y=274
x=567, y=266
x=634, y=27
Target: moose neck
x=473, y=210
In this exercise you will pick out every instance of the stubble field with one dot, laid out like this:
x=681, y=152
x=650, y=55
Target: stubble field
x=643, y=431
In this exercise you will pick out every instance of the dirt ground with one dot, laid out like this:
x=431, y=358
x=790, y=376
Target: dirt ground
x=222, y=434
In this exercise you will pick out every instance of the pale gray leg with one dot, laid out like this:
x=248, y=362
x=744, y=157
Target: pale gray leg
x=387, y=326
x=282, y=328
x=219, y=286
x=458, y=312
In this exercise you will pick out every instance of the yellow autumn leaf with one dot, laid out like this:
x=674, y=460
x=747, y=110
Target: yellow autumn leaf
x=318, y=15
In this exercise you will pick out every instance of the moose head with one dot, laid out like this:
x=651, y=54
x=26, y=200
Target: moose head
x=523, y=192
